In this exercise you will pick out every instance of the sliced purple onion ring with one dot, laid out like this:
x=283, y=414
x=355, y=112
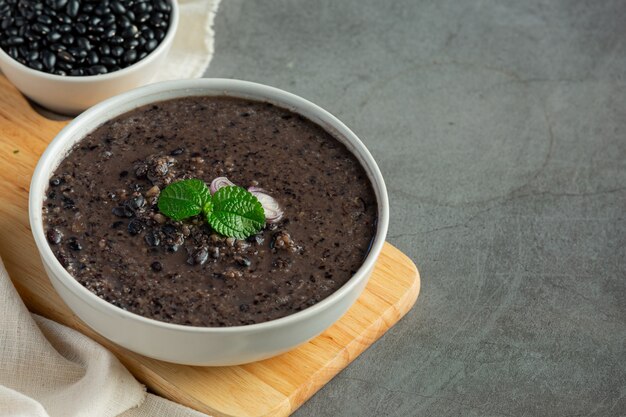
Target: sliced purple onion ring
x=218, y=183
x=273, y=212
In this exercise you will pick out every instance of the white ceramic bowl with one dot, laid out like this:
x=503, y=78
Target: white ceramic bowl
x=200, y=345
x=73, y=94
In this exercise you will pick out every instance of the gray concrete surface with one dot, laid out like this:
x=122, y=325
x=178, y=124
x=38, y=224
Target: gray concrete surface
x=500, y=127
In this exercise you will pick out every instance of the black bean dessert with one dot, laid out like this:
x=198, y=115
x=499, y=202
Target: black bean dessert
x=103, y=222
x=82, y=37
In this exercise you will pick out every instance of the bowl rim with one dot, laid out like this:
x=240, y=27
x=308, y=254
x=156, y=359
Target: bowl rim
x=99, y=114
x=80, y=79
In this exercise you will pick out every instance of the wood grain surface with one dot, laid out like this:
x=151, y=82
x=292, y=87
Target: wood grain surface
x=274, y=387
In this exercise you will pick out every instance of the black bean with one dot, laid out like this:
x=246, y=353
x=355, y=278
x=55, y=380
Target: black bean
x=243, y=261
x=14, y=52
x=35, y=64
x=94, y=21
x=109, y=32
x=157, y=21
x=6, y=22
x=74, y=244
x=97, y=70
x=72, y=8
x=159, y=34
x=162, y=6
x=31, y=36
x=147, y=33
x=60, y=72
x=54, y=236
x=77, y=72
x=14, y=40
x=108, y=61
x=87, y=8
x=83, y=43
x=102, y=10
x=66, y=56
x=65, y=28
x=244, y=307
x=132, y=43
x=65, y=66
x=77, y=53
x=131, y=32
x=143, y=18
x=59, y=4
x=81, y=28
x=116, y=40
x=64, y=19
x=104, y=49
x=156, y=266
x=124, y=22
x=56, y=47
x=177, y=151
x=118, y=8
x=135, y=227
x=92, y=58
x=142, y=7
x=152, y=238
x=137, y=202
x=168, y=229
x=123, y=211
x=130, y=56
x=53, y=36
x=45, y=19
x=108, y=20
x=33, y=55
x=200, y=256
x=67, y=39
x=151, y=45
x=83, y=18
x=49, y=60
x=117, y=51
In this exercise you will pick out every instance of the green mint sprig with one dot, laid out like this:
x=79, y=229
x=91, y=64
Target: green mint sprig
x=231, y=211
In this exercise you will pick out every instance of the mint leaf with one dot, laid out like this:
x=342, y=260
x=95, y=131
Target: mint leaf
x=236, y=213
x=184, y=199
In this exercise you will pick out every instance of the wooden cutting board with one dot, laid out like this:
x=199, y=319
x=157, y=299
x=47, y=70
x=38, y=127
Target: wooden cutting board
x=274, y=387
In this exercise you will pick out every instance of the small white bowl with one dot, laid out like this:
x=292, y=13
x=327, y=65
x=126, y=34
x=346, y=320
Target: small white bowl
x=201, y=345
x=72, y=94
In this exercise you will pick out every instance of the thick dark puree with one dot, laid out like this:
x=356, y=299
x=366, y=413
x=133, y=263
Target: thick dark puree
x=104, y=227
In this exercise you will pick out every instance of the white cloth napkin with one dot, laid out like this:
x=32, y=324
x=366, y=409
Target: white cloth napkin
x=192, y=49
x=49, y=370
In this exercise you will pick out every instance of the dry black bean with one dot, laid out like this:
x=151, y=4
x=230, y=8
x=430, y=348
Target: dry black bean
x=151, y=45
x=49, y=60
x=72, y=8
x=92, y=58
x=117, y=51
x=66, y=56
x=104, y=49
x=118, y=8
x=130, y=56
x=108, y=61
